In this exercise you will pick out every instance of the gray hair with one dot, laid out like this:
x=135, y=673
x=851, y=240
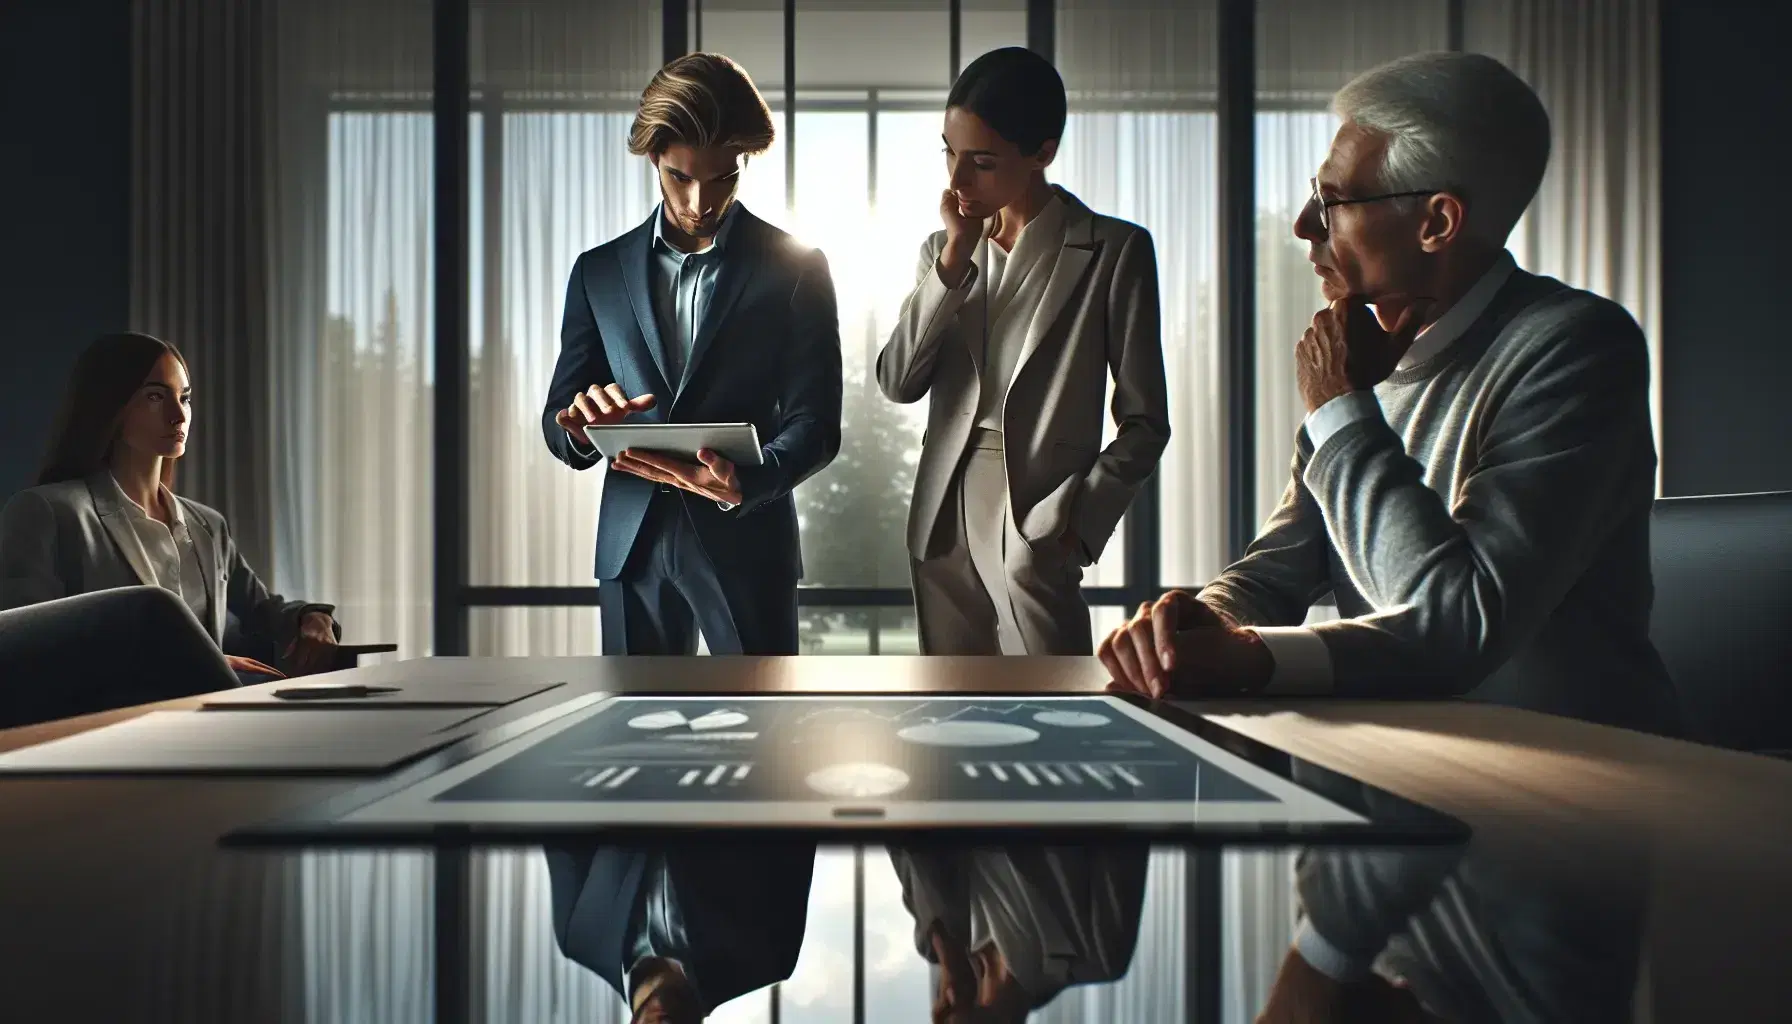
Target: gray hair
x=1458, y=122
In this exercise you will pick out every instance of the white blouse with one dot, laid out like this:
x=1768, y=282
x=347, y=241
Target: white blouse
x=169, y=551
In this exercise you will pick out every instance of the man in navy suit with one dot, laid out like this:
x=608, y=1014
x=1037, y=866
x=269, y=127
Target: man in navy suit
x=678, y=931
x=702, y=314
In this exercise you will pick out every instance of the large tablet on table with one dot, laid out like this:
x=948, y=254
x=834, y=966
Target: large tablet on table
x=736, y=442
x=845, y=765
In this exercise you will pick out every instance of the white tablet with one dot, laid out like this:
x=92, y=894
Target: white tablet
x=839, y=761
x=862, y=764
x=736, y=442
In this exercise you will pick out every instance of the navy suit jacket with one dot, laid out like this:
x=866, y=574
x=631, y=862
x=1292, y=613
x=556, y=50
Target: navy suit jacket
x=745, y=909
x=767, y=353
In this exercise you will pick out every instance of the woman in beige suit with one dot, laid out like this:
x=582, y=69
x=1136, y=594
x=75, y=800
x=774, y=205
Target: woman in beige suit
x=104, y=514
x=1024, y=306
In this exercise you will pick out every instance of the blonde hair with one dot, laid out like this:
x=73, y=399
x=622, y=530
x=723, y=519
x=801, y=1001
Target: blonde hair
x=701, y=100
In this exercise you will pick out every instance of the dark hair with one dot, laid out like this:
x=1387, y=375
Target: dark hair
x=1017, y=93
x=701, y=100
x=107, y=373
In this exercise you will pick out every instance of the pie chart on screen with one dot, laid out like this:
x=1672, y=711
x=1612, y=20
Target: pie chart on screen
x=1071, y=719
x=961, y=733
x=655, y=721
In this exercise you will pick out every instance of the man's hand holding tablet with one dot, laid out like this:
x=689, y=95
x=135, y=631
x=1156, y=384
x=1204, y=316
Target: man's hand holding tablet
x=599, y=406
x=712, y=476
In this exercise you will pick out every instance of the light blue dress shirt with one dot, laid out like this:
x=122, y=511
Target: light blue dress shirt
x=682, y=283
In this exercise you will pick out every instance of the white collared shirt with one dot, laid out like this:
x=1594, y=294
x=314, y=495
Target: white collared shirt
x=1302, y=662
x=169, y=550
x=1033, y=250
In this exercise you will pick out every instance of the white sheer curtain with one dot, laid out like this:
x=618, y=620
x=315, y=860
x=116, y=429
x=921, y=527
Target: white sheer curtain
x=1596, y=222
x=1155, y=168
x=1306, y=50
x=350, y=174
x=567, y=183
x=1291, y=143
x=558, y=81
x=351, y=318
x=1140, y=145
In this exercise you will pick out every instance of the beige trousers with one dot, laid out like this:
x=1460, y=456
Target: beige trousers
x=989, y=591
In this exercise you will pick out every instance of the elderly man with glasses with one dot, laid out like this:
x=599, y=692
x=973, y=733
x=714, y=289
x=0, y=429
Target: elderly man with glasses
x=1472, y=482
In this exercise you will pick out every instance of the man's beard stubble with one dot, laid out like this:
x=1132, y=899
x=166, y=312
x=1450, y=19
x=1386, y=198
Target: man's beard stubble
x=704, y=228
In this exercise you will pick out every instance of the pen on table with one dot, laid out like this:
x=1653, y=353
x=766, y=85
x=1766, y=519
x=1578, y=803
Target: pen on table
x=332, y=691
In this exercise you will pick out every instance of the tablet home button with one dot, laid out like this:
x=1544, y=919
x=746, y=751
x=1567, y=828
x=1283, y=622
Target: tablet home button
x=858, y=812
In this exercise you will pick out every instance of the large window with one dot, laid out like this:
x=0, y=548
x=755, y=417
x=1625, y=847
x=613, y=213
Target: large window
x=855, y=171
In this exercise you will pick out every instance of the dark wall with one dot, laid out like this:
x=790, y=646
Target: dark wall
x=1726, y=181
x=65, y=137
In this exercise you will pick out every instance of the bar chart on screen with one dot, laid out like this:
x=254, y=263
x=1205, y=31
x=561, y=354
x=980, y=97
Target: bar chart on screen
x=1109, y=775
x=807, y=749
x=615, y=776
x=865, y=762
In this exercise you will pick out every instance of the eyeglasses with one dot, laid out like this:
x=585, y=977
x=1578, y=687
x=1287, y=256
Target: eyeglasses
x=1325, y=205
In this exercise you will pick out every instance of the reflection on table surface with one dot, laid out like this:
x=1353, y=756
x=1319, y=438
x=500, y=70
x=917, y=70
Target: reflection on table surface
x=783, y=931
x=350, y=936
x=117, y=904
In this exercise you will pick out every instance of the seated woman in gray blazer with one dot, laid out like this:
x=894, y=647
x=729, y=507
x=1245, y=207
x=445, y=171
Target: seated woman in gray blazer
x=104, y=513
x=1022, y=309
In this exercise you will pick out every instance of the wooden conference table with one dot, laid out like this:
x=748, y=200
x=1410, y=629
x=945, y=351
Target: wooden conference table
x=116, y=903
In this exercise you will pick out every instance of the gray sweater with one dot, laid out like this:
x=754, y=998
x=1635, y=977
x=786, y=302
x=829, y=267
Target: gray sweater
x=1483, y=520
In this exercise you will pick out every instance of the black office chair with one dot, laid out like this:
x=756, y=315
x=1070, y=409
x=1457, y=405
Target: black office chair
x=101, y=650
x=1723, y=615
x=244, y=645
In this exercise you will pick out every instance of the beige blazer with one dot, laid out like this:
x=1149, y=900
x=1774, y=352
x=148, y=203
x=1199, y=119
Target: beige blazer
x=1092, y=317
x=75, y=537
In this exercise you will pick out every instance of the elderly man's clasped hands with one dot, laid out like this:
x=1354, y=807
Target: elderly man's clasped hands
x=1178, y=646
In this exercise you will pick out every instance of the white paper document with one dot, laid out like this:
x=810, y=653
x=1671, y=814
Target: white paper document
x=209, y=742
x=446, y=693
